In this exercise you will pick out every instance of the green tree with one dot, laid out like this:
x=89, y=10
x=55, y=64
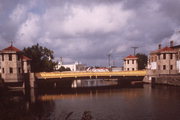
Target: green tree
x=68, y=69
x=62, y=68
x=41, y=58
x=142, y=60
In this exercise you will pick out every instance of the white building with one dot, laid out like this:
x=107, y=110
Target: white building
x=98, y=69
x=73, y=67
x=130, y=63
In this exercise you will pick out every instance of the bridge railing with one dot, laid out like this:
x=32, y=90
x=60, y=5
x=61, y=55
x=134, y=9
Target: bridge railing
x=46, y=75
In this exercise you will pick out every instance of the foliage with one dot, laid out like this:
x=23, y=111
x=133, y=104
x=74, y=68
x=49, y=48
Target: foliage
x=41, y=58
x=142, y=60
x=62, y=68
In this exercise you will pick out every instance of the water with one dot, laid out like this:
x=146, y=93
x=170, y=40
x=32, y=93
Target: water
x=102, y=103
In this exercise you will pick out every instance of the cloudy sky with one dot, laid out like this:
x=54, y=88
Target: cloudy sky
x=88, y=30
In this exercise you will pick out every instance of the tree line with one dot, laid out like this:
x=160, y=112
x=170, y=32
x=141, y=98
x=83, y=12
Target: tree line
x=42, y=59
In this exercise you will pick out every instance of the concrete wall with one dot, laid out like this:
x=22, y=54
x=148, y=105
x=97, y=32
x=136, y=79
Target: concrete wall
x=163, y=79
x=32, y=80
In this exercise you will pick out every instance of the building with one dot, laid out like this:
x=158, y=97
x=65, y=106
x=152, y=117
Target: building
x=164, y=61
x=97, y=69
x=13, y=65
x=177, y=48
x=130, y=63
x=73, y=67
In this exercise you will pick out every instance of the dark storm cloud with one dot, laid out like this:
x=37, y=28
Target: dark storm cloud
x=171, y=9
x=86, y=31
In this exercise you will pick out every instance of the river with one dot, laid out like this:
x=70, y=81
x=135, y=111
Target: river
x=92, y=103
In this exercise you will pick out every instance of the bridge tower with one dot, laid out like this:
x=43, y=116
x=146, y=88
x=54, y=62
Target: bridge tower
x=13, y=66
x=130, y=63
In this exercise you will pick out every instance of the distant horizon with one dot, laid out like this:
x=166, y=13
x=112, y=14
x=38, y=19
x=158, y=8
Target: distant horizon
x=91, y=65
x=87, y=31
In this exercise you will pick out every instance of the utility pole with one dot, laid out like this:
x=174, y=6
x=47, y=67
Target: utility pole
x=61, y=60
x=109, y=59
x=135, y=50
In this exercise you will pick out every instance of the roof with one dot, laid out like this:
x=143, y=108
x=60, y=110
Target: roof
x=11, y=48
x=25, y=58
x=165, y=49
x=130, y=57
x=177, y=46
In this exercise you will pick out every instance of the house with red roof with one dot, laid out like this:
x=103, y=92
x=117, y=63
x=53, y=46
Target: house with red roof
x=13, y=65
x=164, y=61
x=130, y=63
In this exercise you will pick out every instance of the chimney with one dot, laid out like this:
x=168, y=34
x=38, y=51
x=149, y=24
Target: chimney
x=171, y=43
x=159, y=46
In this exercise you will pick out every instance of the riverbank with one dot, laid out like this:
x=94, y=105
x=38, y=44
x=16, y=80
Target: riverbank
x=173, y=80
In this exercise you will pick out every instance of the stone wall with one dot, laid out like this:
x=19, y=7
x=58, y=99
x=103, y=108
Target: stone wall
x=168, y=80
x=1, y=81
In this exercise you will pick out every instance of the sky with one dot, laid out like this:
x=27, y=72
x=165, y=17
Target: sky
x=88, y=30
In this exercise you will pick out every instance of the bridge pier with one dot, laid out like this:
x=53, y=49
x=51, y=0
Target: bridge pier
x=54, y=83
x=131, y=81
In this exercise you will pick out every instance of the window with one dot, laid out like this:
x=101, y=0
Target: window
x=132, y=61
x=159, y=57
x=127, y=69
x=171, y=56
x=10, y=70
x=155, y=58
x=164, y=67
x=171, y=67
x=18, y=57
x=152, y=59
x=10, y=57
x=132, y=69
x=2, y=57
x=164, y=56
x=127, y=61
x=3, y=70
x=19, y=70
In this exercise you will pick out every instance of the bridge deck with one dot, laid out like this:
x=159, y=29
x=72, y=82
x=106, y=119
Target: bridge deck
x=50, y=75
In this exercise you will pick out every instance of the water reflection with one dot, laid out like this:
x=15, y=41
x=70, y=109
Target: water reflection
x=97, y=103
x=94, y=82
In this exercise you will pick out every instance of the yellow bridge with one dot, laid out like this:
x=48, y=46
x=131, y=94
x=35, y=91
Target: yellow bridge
x=51, y=75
